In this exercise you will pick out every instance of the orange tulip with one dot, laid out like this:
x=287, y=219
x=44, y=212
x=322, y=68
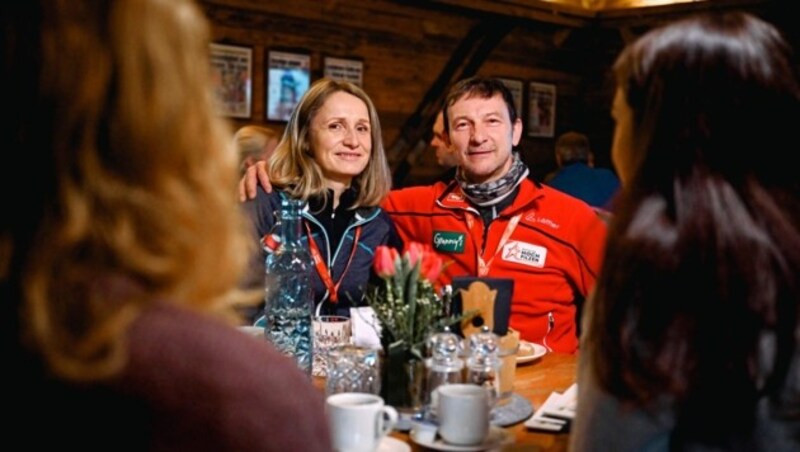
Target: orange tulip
x=384, y=263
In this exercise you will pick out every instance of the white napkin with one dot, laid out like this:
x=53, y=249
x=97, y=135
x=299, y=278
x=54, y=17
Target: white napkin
x=366, y=327
x=565, y=405
x=556, y=412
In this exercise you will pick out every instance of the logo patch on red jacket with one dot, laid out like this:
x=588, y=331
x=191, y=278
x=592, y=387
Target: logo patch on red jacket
x=448, y=241
x=533, y=218
x=525, y=254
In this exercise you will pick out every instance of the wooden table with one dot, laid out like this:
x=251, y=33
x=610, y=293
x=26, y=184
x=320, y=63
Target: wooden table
x=535, y=381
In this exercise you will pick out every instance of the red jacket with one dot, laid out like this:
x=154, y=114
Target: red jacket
x=554, y=251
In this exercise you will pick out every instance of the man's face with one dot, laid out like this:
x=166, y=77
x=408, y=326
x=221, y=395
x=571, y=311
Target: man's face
x=482, y=134
x=444, y=155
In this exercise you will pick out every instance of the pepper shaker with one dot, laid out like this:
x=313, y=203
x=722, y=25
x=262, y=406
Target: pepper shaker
x=483, y=364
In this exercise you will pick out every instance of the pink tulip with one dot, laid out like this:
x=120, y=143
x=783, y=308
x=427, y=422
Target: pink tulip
x=414, y=252
x=384, y=262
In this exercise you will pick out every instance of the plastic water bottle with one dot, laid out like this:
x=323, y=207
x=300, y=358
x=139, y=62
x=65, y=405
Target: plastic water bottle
x=289, y=300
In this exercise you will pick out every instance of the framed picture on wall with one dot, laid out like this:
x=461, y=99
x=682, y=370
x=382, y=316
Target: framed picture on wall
x=541, y=109
x=344, y=69
x=288, y=78
x=232, y=72
x=516, y=87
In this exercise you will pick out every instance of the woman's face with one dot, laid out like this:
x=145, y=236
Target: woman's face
x=621, y=148
x=341, y=137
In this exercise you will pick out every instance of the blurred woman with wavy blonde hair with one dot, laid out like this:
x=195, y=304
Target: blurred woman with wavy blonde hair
x=119, y=266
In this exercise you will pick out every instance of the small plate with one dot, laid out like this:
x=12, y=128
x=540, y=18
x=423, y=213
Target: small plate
x=529, y=351
x=389, y=444
x=497, y=437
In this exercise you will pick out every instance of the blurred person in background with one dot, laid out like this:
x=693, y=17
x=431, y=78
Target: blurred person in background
x=120, y=264
x=446, y=156
x=691, y=340
x=254, y=143
x=576, y=174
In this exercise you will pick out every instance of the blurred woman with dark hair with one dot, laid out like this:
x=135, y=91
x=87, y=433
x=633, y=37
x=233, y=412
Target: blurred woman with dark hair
x=691, y=340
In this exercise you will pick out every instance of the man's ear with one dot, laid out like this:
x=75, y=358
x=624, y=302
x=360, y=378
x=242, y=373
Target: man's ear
x=516, y=132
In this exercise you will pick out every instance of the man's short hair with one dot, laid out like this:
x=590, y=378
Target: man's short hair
x=481, y=87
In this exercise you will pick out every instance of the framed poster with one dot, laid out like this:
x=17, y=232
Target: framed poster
x=516, y=88
x=344, y=69
x=541, y=109
x=288, y=78
x=232, y=76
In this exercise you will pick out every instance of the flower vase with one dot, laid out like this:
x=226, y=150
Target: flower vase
x=403, y=383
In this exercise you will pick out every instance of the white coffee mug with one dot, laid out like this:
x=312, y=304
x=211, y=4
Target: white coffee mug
x=463, y=412
x=358, y=421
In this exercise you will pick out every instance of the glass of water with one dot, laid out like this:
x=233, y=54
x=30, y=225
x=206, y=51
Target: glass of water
x=352, y=368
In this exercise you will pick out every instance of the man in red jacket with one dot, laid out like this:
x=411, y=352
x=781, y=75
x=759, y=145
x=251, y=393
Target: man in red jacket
x=493, y=221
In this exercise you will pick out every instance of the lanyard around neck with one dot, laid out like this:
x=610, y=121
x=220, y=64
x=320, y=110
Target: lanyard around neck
x=483, y=266
x=322, y=268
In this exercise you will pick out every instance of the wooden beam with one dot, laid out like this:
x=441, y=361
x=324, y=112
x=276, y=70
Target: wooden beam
x=465, y=61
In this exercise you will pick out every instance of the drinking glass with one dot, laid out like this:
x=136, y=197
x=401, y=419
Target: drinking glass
x=330, y=331
x=353, y=369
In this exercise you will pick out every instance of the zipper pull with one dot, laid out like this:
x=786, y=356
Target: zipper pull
x=551, y=322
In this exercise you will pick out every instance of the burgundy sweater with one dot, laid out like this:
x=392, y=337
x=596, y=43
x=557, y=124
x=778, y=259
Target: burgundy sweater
x=191, y=383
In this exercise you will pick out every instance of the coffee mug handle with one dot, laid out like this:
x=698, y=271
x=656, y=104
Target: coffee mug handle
x=387, y=419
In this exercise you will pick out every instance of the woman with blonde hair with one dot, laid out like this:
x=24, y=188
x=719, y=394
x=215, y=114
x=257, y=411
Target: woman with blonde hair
x=332, y=156
x=119, y=267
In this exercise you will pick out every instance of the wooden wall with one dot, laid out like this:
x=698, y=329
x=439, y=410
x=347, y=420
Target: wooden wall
x=406, y=45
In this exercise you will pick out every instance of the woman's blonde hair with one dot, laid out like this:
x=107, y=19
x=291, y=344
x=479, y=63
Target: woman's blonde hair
x=292, y=166
x=133, y=174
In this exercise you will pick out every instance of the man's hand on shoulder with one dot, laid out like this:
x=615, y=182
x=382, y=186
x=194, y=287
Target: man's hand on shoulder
x=254, y=175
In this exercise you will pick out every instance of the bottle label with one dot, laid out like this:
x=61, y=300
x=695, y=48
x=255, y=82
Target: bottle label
x=270, y=242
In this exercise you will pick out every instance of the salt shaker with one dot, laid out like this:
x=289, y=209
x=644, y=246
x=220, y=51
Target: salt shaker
x=444, y=366
x=483, y=364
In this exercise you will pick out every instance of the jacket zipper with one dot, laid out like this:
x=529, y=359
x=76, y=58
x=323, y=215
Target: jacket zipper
x=551, y=322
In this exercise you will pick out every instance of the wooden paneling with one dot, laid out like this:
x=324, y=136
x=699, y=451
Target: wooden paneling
x=407, y=45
